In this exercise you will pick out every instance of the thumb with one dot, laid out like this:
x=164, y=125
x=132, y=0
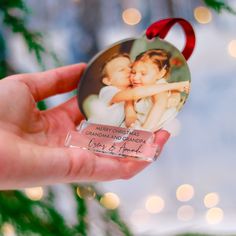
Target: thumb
x=161, y=138
x=65, y=165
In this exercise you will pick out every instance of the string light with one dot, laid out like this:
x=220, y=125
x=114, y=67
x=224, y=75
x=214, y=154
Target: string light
x=211, y=200
x=8, y=230
x=35, y=193
x=139, y=216
x=202, y=15
x=86, y=192
x=232, y=48
x=185, y=192
x=185, y=213
x=131, y=16
x=110, y=201
x=214, y=215
x=154, y=204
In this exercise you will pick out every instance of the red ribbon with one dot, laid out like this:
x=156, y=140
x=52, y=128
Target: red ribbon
x=162, y=27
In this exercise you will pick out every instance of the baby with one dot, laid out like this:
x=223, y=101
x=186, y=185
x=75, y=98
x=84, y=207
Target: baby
x=115, y=74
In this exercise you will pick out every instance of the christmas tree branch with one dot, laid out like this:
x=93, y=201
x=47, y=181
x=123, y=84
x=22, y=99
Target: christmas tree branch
x=17, y=25
x=29, y=216
x=82, y=225
x=219, y=6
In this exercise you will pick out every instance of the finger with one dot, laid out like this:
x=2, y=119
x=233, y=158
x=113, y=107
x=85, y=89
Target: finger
x=75, y=165
x=161, y=138
x=83, y=165
x=27, y=164
x=86, y=166
x=52, y=82
x=70, y=108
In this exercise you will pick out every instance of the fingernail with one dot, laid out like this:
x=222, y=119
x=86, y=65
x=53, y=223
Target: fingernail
x=158, y=152
x=162, y=136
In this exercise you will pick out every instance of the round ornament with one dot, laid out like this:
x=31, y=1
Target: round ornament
x=136, y=83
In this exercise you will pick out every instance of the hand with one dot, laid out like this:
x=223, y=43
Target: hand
x=184, y=86
x=32, y=151
x=130, y=119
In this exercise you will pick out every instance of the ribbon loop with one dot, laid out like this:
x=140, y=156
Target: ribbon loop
x=162, y=27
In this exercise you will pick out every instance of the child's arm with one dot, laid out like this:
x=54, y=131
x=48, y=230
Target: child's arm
x=158, y=109
x=130, y=113
x=146, y=91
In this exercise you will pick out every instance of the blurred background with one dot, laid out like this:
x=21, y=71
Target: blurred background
x=192, y=186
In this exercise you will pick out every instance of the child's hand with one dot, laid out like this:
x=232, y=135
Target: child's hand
x=130, y=114
x=130, y=120
x=183, y=86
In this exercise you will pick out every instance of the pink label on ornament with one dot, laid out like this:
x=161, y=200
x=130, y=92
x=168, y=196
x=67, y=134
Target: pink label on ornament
x=115, y=141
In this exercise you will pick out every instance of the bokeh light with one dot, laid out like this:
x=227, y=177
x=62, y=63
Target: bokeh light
x=232, y=48
x=185, y=192
x=86, y=192
x=211, y=200
x=154, y=204
x=214, y=215
x=139, y=217
x=35, y=193
x=202, y=15
x=185, y=213
x=110, y=201
x=131, y=16
x=8, y=230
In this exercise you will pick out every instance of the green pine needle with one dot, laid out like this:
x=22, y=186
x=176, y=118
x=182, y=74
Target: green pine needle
x=14, y=4
x=219, y=6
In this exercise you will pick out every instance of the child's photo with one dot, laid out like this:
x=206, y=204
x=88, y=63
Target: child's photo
x=132, y=88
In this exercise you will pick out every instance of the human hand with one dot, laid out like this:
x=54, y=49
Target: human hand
x=32, y=151
x=129, y=121
x=130, y=115
x=183, y=86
